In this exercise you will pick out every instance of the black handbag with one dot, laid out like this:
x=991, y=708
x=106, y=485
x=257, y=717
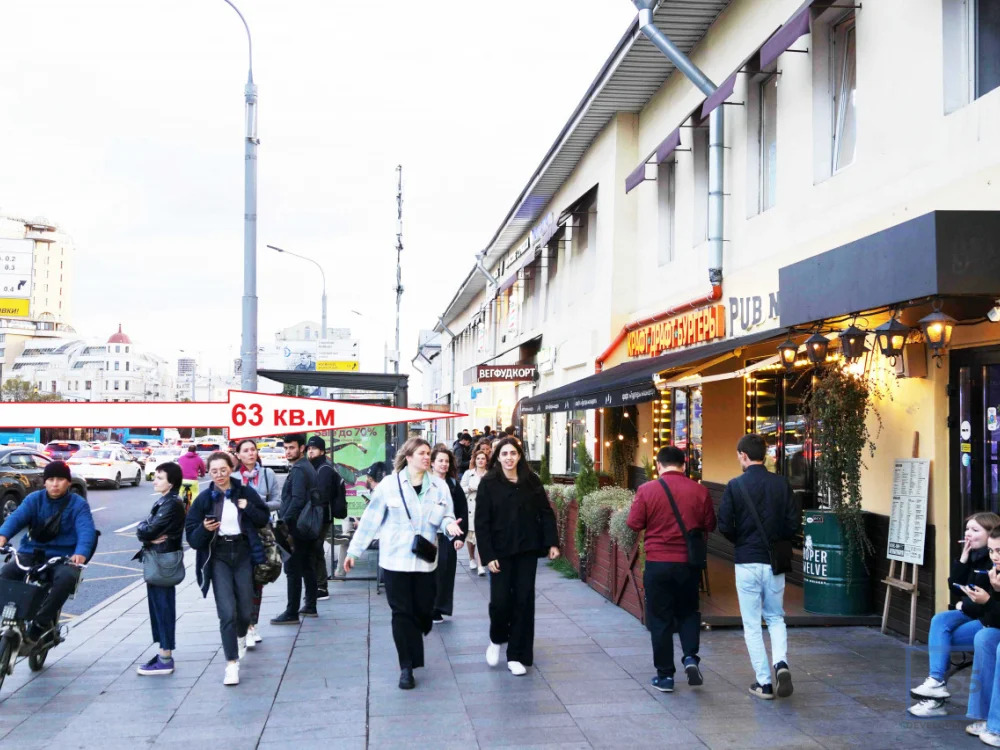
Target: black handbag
x=697, y=545
x=779, y=551
x=422, y=547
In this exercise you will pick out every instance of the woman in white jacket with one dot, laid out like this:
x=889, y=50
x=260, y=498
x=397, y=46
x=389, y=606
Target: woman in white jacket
x=470, y=485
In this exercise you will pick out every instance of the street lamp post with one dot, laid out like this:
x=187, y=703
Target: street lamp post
x=248, y=344
x=322, y=276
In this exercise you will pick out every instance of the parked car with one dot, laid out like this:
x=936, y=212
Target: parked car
x=21, y=473
x=63, y=450
x=274, y=458
x=157, y=457
x=107, y=466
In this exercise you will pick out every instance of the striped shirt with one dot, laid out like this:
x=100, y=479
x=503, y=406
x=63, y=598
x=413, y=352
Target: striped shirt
x=386, y=517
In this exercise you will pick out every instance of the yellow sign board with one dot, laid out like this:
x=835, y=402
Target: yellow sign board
x=335, y=366
x=13, y=308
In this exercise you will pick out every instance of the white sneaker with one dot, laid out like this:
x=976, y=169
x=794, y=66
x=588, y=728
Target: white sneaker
x=232, y=673
x=976, y=728
x=251, y=637
x=482, y=571
x=493, y=654
x=241, y=647
x=931, y=688
x=256, y=635
x=516, y=668
x=990, y=738
x=928, y=708
x=472, y=564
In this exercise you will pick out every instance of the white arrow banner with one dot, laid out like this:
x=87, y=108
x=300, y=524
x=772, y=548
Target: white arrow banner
x=245, y=414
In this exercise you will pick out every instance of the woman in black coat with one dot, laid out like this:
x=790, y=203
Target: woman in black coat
x=515, y=526
x=443, y=467
x=163, y=531
x=222, y=526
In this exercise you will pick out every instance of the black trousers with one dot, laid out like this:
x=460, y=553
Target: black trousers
x=319, y=556
x=64, y=578
x=672, y=607
x=301, y=566
x=411, y=599
x=512, y=606
x=444, y=576
x=232, y=585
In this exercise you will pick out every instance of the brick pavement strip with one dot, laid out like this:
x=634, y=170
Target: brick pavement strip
x=332, y=681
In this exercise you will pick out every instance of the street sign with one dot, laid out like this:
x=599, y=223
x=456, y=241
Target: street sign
x=16, y=258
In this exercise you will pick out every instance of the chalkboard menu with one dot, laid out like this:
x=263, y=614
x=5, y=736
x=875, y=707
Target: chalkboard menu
x=908, y=519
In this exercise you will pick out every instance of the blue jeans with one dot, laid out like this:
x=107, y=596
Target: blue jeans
x=950, y=631
x=983, y=685
x=762, y=593
x=162, y=614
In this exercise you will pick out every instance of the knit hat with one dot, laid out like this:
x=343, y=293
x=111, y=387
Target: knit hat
x=57, y=470
x=316, y=442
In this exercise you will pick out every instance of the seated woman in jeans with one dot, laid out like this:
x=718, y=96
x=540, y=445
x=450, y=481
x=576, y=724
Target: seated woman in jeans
x=955, y=629
x=984, y=684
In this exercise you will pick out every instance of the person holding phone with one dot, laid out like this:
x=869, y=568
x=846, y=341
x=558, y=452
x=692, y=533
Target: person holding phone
x=409, y=502
x=222, y=527
x=955, y=629
x=982, y=600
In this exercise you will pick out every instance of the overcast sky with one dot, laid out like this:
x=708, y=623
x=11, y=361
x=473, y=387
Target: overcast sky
x=121, y=121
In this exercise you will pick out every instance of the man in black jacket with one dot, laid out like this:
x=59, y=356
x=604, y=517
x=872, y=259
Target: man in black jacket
x=463, y=453
x=329, y=484
x=297, y=490
x=760, y=591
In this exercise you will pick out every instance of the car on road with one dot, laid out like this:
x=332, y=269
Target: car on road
x=205, y=448
x=142, y=447
x=106, y=465
x=274, y=458
x=157, y=457
x=37, y=447
x=21, y=473
x=63, y=450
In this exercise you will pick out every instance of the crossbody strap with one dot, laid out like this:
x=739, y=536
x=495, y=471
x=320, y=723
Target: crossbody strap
x=753, y=511
x=677, y=514
x=402, y=496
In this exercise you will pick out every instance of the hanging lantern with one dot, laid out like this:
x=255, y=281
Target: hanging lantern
x=890, y=337
x=816, y=348
x=852, y=342
x=937, y=328
x=787, y=351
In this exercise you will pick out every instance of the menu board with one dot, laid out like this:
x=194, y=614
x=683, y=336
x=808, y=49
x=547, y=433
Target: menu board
x=908, y=519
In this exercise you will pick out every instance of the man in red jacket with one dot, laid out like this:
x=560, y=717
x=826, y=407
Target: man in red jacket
x=671, y=583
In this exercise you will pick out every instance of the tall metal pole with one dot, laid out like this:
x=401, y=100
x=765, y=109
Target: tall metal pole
x=248, y=343
x=399, y=254
x=322, y=276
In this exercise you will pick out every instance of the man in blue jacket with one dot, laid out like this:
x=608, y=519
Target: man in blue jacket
x=75, y=538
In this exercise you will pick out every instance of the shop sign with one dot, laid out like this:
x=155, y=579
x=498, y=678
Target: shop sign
x=695, y=327
x=505, y=373
x=543, y=231
x=545, y=359
x=748, y=313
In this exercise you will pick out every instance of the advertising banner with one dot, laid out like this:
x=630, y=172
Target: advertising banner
x=16, y=260
x=287, y=355
x=355, y=452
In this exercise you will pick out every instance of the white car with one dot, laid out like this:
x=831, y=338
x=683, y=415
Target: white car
x=274, y=458
x=106, y=465
x=157, y=457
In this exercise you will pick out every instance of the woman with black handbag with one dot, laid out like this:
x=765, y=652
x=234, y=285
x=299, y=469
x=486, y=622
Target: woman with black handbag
x=515, y=526
x=407, y=510
x=162, y=535
x=222, y=526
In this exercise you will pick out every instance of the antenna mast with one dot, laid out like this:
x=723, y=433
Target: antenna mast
x=399, y=253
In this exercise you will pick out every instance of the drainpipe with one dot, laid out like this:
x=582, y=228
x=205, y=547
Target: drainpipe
x=494, y=284
x=451, y=345
x=716, y=181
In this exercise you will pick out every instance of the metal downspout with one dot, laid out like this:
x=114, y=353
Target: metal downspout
x=716, y=176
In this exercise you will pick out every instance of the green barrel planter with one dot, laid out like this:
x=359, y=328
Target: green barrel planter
x=827, y=590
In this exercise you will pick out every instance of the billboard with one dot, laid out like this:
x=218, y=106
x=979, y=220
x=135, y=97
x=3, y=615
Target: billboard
x=328, y=355
x=16, y=261
x=355, y=452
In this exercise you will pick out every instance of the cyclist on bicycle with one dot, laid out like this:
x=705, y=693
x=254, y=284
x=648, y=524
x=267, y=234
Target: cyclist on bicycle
x=192, y=467
x=59, y=524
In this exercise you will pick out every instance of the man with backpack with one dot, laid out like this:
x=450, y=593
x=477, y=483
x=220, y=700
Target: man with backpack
x=299, y=497
x=333, y=496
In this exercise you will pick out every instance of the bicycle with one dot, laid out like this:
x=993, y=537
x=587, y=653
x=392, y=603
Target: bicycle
x=21, y=601
x=189, y=491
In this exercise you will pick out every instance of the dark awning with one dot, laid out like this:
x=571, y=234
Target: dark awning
x=355, y=381
x=943, y=253
x=630, y=382
x=720, y=95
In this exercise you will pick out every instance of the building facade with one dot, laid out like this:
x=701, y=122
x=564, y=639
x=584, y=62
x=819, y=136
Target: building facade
x=857, y=175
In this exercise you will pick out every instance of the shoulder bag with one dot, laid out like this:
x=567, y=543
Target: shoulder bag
x=162, y=568
x=422, y=547
x=697, y=545
x=780, y=551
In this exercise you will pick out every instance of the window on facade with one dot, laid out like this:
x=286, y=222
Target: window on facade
x=53, y=386
x=551, y=257
x=116, y=365
x=577, y=424
x=985, y=23
x=118, y=349
x=844, y=92
x=700, y=152
x=584, y=252
x=126, y=385
x=116, y=385
x=767, y=142
x=89, y=385
x=665, y=211
x=127, y=366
